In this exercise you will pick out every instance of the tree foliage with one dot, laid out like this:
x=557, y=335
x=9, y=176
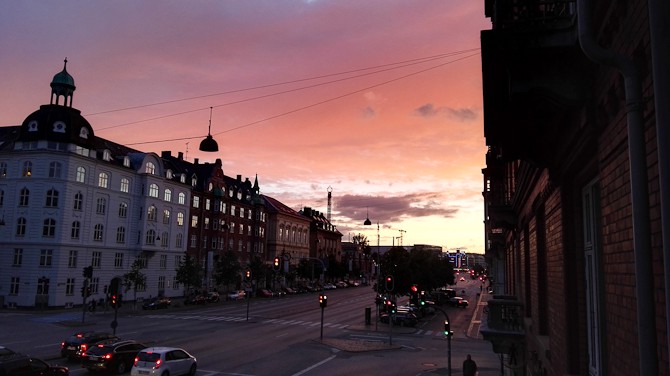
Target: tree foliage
x=227, y=269
x=418, y=267
x=189, y=273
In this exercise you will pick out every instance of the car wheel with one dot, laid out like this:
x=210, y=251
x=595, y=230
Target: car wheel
x=166, y=373
x=191, y=372
x=121, y=368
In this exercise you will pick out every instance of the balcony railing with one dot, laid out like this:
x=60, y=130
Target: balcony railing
x=504, y=323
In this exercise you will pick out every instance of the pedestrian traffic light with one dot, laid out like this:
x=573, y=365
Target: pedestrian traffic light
x=277, y=263
x=447, y=328
x=323, y=300
x=389, y=283
x=113, y=301
x=88, y=272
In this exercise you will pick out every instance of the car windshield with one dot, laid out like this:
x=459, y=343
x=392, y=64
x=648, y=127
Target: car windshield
x=148, y=357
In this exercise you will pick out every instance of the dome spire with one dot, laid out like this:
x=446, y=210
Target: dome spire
x=62, y=85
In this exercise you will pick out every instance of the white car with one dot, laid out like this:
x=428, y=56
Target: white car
x=161, y=361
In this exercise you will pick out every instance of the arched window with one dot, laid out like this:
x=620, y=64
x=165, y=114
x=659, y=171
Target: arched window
x=103, y=180
x=101, y=206
x=121, y=234
x=123, y=210
x=180, y=219
x=81, y=174
x=182, y=198
x=153, y=190
x=27, y=169
x=49, y=228
x=54, y=169
x=78, y=201
x=168, y=195
x=166, y=216
x=179, y=241
x=98, y=232
x=52, y=198
x=151, y=237
x=24, y=196
x=151, y=213
x=74, y=232
x=150, y=168
x=21, y=226
x=125, y=185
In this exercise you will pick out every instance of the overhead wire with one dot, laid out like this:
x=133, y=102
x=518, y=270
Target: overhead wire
x=299, y=108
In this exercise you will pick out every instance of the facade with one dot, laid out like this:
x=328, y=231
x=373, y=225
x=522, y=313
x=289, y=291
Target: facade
x=575, y=186
x=288, y=233
x=71, y=200
x=324, y=238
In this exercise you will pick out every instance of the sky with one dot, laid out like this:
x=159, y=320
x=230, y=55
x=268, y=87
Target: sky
x=378, y=102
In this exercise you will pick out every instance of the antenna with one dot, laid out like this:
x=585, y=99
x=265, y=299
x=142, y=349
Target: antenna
x=186, y=154
x=330, y=201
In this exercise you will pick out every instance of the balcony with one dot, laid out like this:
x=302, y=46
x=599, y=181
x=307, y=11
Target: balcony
x=534, y=74
x=503, y=326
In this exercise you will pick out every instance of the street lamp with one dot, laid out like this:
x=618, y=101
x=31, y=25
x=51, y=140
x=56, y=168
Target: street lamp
x=209, y=144
x=379, y=273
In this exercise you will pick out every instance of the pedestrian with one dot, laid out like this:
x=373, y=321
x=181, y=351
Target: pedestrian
x=469, y=367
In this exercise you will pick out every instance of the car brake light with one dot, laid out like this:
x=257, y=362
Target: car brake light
x=158, y=364
x=107, y=356
x=136, y=360
x=83, y=347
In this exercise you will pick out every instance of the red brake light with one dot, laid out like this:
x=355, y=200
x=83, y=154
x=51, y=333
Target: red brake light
x=158, y=364
x=107, y=356
x=136, y=360
x=83, y=347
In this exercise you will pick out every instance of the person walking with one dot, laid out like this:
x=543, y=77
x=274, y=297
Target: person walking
x=469, y=367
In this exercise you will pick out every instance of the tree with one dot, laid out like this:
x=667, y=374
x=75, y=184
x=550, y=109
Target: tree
x=189, y=273
x=227, y=269
x=135, y=278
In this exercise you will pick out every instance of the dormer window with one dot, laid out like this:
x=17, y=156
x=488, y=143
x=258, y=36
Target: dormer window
x=194, y=181
x=182, y=178
x=150, y=168
x=168, y=174
x=32, y=126
x=59, y=127
x=106, y=155
x=83, y=133
x=27, y=169
x=126, y=161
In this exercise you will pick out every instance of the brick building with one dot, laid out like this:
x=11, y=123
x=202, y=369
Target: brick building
x=576, y=185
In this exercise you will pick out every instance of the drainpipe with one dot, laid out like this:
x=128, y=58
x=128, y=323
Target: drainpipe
x=659, y=14
x=647, y=357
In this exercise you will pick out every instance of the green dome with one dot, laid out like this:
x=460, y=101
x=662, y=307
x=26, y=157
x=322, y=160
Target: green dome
x=63, y=79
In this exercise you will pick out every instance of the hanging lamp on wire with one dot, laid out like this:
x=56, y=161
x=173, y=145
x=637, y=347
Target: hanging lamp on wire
x=209, y=144
x=367, y=218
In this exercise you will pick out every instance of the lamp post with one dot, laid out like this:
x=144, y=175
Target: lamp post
x=379, y=285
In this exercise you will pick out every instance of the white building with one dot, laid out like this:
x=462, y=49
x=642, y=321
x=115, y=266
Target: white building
x=69, y=200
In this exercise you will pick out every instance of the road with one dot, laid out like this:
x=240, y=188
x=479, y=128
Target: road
x=277, y=337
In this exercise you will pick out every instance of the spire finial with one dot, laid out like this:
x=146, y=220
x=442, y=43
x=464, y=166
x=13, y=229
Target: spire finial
x=65, y=65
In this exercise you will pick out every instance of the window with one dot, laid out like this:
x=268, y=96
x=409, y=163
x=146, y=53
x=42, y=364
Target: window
x=182, y=198
x=153, y=190
x=24, y=197
x=150, y=168
x=106, y=155
x=78, y=201
x=121, y=234
x=167, y=195
x=101, y=206
x=21, y=226
x=150, y=237
x=168, y=174
x=207, y=204
x=74, y=231
x=126, y=161
x=161, y=282
x=95, y=259
x=81, y=175
x=118, y=260
x=98, y=232
x=123, y=210
x=42, y=286
x=125, y=185
x=14, y=286
x=206, y=223
x=166, y=216
x=163, y=262
x=3, y=170
x=18, y=257
x=232, y=210
x=165, y=239
x=46, y=257
x=103, y=180
x=69, y=287
x=179, y=241
x=232, y=227
x=241, y=212
x=27, y=169
x=72, y=259
x=196, y=201
x=194, y=241
x=52, y=198
x=241, y=228
x=54, y=169
x=151, y=213
x=194, y=221
x=180, y=219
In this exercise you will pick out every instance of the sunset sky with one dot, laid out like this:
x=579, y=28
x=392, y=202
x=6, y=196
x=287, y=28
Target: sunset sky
x=379, y=100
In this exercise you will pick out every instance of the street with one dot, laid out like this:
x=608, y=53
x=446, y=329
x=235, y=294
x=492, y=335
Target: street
x=280, y=336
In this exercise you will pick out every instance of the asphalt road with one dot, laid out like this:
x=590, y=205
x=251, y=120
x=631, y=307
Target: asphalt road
x=282, y=336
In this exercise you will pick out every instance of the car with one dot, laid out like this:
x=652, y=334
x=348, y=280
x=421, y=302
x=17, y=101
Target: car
x=459, y=302
x=236, y=295
x=117, y=357
x=172, y=361
x=264, y=293
x=400, y=318
x=213, y=297
x=157, y=303
x=75, y=345
x=16, y=364
x=195, y=300
x=329, y=286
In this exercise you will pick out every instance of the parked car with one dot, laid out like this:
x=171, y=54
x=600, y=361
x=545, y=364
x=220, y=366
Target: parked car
x=157, y=303
x=236, y=295
x=195, y=300
x=264, y=293
x=459, y=302
x=23, y=365
x=117, y=357
x=213, y=297
x=160, y=361
x=329, y=286
x=75, y=345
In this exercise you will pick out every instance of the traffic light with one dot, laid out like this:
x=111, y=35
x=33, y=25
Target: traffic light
x=113, y=301
x=277, y=263
x=422, y=298
x=414, y=289
x=447, y=328
x=323, y=300
x=247, y=274
x=389, y=283
x=394, y=308
x=88, y=272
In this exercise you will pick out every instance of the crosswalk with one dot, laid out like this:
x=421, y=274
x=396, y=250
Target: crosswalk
x=240, y=319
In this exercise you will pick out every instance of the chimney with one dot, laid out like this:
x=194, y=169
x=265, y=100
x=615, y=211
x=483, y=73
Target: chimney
x=239, y=178
x=166, y=154
x=180, y=155
x=196, y=160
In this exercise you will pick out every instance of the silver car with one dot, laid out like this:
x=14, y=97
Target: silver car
x=161, y=361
